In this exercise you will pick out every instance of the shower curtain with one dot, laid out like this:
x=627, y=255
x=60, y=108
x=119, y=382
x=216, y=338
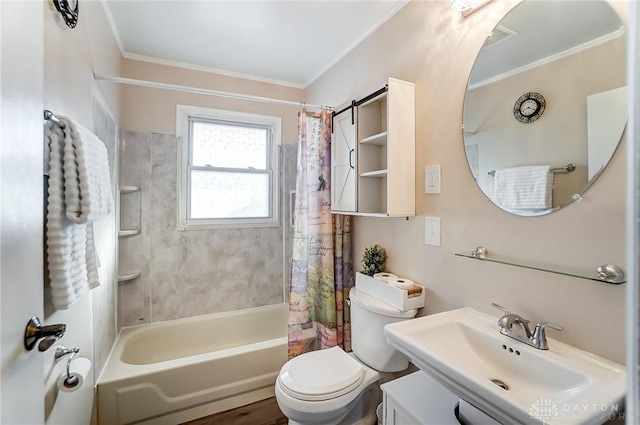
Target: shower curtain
x=321, y=269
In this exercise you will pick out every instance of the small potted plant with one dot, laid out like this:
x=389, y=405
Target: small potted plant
x=373, y=260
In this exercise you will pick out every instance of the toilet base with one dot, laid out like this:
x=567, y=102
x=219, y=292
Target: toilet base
x=362, y=413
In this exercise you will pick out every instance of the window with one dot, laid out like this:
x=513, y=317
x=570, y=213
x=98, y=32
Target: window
x=227, y=169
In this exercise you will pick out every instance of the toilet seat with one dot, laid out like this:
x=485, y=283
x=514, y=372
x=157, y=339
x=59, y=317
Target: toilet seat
x=321, y=375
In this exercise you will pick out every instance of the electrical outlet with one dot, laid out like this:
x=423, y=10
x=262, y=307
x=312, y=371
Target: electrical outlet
x=432, y=179
x=432, y=231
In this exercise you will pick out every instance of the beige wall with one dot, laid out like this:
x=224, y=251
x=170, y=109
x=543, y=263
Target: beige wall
x=151, y=110
x=72, y=56
x=435, y=48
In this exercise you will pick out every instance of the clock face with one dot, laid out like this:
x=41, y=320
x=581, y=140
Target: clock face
x=529, y=107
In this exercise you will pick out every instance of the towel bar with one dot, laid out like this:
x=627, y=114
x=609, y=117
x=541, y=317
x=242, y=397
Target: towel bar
x=566, y=169
x=50, y=116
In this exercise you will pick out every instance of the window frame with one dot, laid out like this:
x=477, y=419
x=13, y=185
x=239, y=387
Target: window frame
x=185, y=115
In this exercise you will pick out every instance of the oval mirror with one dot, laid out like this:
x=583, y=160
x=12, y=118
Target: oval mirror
x=545, y=105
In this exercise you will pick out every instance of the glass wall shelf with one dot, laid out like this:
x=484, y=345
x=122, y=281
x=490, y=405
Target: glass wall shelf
x=614, y=275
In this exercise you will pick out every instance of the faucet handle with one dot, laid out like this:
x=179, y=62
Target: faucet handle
x=505, y=310
x=539, y=338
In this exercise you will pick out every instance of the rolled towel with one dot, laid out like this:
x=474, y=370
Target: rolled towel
x=87, y=181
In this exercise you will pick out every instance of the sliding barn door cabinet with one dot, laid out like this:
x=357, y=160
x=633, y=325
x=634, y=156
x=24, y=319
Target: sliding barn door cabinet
x=373, y=154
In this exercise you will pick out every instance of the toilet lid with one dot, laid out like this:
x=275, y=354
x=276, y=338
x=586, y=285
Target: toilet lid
x=321, y=375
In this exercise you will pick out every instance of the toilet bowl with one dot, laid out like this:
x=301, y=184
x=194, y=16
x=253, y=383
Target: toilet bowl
x=323, y=387
x=331, y=387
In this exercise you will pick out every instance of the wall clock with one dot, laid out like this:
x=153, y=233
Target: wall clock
x=68, y=9
x=529, y=107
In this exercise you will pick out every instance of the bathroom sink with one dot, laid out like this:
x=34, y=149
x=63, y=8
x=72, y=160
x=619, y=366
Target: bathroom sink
x=507, y=379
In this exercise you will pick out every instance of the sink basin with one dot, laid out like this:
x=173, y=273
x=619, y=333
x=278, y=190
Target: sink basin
x=508, y=380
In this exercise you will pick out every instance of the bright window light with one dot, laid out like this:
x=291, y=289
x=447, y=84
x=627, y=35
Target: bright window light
x=228, y=169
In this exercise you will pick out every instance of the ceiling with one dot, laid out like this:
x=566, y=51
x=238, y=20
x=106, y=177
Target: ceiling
x=285, y=42
x=544, y=30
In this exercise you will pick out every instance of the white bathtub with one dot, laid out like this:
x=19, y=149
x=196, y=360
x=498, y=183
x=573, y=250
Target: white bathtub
x=176, y=371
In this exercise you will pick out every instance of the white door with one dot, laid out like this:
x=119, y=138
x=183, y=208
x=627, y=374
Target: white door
x=21, y=211
x=343, y=162
x=633, y=220
x=606, y=120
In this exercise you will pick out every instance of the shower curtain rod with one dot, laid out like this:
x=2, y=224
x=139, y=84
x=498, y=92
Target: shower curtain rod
x=196, y=90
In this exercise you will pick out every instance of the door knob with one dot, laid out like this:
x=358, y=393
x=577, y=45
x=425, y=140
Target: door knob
x=35, y=331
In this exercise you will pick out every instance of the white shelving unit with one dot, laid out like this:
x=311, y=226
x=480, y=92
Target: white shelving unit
x=384, y=146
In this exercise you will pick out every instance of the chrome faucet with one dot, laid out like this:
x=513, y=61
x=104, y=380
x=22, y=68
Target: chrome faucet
x=516, y=327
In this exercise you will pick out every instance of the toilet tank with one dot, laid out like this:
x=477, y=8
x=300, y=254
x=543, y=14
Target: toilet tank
x=369, y=315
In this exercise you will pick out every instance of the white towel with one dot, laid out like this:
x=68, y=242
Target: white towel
x=87, y=181
x=70, y=250
x=524, y=188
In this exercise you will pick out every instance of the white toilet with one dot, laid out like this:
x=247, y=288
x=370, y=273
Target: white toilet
x=332, y=387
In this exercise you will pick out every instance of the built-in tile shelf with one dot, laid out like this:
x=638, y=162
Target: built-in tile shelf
x=123, y=233
x=605, y=274
x=128, y=276
x=126, y=190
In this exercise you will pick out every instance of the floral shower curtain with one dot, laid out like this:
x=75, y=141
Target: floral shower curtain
x=321, y=269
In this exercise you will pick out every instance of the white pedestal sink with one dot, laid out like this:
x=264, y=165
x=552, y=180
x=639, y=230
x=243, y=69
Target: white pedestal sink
x=511, y=381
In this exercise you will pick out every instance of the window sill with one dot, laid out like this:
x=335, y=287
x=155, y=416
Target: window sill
x=217, y=226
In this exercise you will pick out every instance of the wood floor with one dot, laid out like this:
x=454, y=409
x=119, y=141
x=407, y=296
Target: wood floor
x=265, y=412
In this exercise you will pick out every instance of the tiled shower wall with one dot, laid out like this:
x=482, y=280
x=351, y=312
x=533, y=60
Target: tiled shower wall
x=193, y=272
x=104, y=296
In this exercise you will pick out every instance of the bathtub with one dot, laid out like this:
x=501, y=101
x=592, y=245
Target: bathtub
x=176, y=371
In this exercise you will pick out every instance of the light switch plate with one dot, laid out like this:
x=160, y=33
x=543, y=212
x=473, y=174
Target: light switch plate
x=432, y=231
x=432, y=179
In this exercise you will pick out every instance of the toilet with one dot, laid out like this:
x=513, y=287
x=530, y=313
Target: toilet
x=331, y=387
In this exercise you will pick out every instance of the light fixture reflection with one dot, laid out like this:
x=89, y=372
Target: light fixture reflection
x=467, y=5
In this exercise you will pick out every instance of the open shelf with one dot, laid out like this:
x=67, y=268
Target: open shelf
x=375, y=173
x=128, y=276
x=126, y=233
x=372, y=214
x=127, y=190
x=540, y=266
x=377, y=139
